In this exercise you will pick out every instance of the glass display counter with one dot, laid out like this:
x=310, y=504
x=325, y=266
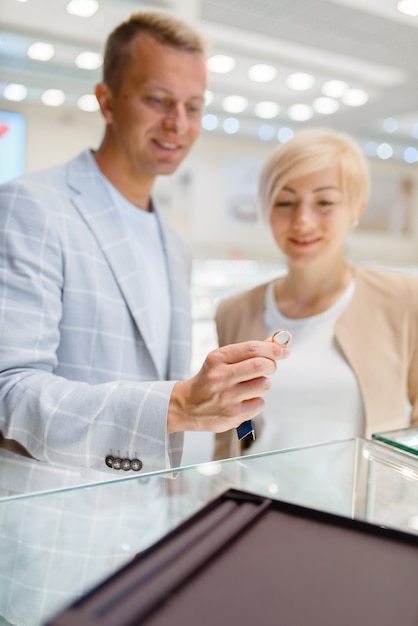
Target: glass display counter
x=56, y=545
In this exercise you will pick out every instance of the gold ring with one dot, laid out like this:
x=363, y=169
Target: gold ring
x=286, y=341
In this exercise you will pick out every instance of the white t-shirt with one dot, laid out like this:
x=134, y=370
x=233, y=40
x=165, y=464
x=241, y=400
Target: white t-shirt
x=314, y=393
x=146, y=239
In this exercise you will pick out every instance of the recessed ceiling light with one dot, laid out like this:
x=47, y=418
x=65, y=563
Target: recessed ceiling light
x=266, y=110
x=390, y=125
x=40, y=51
x=408, y=7
x=384, y=151
x=370, y=149
x=262, y=73
x=355, y=97
x=325, y=106
x=88, y=102
x=266, y=132
x=220, y=64
x=300, y=81
x=208, y=97
x=300, y=112
x=234, y=104
x=88, y=60
x=209, y=122
x=231, y=125
x=53, y=97
x=334, y=88
x=15, y=92
x=82, y=8
x=410, y=155
x=284, y=134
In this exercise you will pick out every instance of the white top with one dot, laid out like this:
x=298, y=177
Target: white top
x=314, y=393
x=146, y=240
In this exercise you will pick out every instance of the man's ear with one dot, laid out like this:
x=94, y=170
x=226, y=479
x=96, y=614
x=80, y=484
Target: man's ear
x=105, y=100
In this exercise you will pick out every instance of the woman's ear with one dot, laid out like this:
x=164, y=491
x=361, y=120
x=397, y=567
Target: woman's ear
x=357, y=214
x=104, y=98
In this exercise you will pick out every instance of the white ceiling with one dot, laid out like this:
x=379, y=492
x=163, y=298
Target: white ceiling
x=366, y=43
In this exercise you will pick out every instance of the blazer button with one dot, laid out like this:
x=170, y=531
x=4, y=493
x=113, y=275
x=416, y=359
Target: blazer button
x=117, y=464
x=109, y=461
x=126, y=465
x=136, y=465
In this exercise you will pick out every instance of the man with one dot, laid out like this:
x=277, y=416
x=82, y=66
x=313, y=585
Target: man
x=95, y=322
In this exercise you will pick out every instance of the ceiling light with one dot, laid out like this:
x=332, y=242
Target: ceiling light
x=15, y=92
x=326, y=106
x=408, y=7
x=390, y=125
x=41, y=51
x=88, y=60
x=334, y=88
x=208, y=97
x=88, y=103
x=384, y=151
x=370, y=149
x=300, y=81
x=410, y=155
x=266, y=132
x=234, y=104
x=82, y=8
x=53, y=97
x=220, y=64
x=266, y=110
x=300, y=112
x=231, y=125
x=262, y=73
x=355, y=97
x=209, y=122
x=284, y=134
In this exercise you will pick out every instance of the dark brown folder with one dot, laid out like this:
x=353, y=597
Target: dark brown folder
x=247, y=560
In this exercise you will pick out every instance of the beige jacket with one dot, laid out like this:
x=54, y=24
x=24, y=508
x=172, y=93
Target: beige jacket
x=378, y=334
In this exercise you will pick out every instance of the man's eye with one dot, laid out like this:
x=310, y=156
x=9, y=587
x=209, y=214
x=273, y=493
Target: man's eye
x=194, y=108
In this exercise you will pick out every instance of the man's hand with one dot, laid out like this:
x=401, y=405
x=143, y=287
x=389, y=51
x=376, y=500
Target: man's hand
x=228, y=389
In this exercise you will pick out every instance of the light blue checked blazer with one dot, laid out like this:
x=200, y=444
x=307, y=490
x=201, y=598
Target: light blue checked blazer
x=78, y=378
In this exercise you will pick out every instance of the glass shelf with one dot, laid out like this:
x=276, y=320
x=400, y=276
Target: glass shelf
x=405, y=439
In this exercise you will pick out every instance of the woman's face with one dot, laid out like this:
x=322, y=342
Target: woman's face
x=310, y=218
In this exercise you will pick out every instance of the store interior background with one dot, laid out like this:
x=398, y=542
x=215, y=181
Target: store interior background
x=212, y=197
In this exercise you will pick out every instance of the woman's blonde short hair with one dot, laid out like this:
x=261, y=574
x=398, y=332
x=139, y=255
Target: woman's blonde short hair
x=309, y=151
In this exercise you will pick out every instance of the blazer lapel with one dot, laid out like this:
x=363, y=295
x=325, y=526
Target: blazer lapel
x=96, y=208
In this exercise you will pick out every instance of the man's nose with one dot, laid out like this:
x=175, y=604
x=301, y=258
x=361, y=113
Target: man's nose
x=177, y=120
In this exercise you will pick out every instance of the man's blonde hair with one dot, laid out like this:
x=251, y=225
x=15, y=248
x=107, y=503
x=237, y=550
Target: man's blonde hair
x=309, y=151
x=163, y=27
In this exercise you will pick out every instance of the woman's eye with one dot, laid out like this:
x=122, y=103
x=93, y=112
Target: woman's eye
x=283, y=204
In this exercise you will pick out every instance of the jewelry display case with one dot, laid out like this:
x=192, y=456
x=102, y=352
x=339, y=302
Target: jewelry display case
x=56, y=545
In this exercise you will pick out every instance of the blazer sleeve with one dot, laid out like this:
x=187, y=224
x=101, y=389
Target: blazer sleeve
x=53, y=418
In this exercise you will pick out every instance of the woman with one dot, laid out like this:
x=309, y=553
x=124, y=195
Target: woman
x=353, y=368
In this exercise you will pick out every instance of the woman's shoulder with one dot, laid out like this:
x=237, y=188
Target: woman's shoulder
x=392, y=283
